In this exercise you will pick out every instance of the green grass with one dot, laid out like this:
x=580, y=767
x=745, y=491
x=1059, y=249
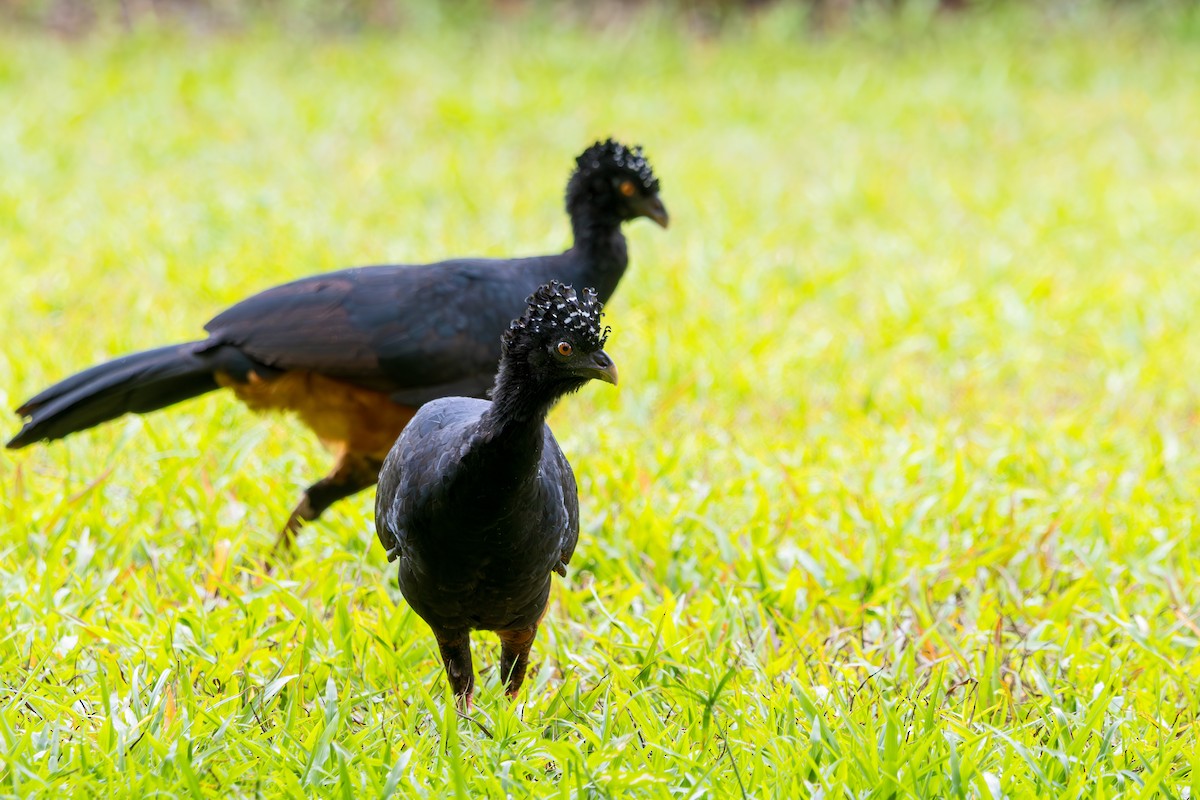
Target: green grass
x=897, y=497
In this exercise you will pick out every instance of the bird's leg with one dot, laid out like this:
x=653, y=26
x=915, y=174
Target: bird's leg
x=514, y=657
x=352, y=473
x=456, y=656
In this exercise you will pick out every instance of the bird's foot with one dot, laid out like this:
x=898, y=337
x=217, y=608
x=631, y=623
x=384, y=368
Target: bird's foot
x=514, y=658
x=455, y=647
x=285, y=542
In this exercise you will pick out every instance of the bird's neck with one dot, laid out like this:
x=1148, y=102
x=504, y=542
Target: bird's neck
x=518, y=398
x=512, y=427
x=600, y=246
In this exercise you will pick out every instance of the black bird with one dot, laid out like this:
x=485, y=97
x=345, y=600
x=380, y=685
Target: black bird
x=354, y=353
x=478, y=501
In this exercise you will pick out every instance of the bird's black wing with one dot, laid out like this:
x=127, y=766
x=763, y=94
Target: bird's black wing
x=414, y=479
x=558, y=483
x=414, y=332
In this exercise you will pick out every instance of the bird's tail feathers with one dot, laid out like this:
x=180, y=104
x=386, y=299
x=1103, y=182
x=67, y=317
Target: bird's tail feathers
x=136, y=383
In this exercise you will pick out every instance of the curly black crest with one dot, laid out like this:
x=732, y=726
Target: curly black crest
x=555, y=308
x=611, y=153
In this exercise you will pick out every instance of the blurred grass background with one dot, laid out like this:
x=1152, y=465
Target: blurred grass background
x=896, y=498
x=72, y=18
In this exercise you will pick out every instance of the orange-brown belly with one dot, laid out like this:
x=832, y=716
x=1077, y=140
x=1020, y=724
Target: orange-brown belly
x=347, y=418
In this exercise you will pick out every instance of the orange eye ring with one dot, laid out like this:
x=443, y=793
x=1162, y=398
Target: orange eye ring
x=565, y=349
x=627, y=188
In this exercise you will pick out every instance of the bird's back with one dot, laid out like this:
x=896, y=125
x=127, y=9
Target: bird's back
x=414, y=332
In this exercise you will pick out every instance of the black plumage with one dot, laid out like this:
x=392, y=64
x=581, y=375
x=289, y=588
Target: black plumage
x=477, y=500
x=354, y=353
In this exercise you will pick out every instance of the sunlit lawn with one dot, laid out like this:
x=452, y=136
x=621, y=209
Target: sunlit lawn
x=898, y=495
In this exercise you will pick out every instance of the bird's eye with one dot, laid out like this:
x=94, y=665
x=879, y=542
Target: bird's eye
x=565, y=349
x=627, y=188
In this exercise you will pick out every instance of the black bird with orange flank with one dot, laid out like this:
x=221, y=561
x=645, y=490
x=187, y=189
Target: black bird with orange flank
x=477, y=500
x=355, y=353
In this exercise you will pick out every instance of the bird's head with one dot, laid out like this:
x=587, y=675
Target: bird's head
x=558, y=343
x=616, y=182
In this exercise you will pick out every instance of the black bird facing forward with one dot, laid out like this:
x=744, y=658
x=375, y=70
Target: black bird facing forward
x=354, y=353
x=478, y=501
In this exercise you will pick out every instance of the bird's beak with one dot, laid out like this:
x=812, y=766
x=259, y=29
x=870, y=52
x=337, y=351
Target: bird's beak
x=653, y=208
x=600, y=368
